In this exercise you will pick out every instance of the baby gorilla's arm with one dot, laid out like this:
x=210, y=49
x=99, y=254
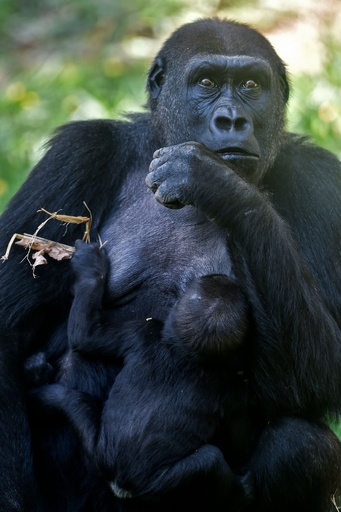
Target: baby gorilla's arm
x=91, y=329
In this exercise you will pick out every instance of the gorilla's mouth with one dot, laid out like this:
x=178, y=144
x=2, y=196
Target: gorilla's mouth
x=232, y=153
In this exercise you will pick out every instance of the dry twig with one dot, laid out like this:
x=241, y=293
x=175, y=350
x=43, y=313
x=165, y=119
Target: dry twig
x=69, y=219
x=43, y=246
x=334, y=503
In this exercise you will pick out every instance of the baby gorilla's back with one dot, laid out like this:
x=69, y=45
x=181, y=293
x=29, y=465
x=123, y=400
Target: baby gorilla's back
x=170, y=396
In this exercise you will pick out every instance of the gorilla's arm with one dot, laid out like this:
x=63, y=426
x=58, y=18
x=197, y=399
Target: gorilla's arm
x=299, y=350
x=305, y=184
x=78, y=167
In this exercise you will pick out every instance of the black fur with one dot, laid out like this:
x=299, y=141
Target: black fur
x=177, y=384
x=246, y=199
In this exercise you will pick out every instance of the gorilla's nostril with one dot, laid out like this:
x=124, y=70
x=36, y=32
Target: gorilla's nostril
x=229, y=123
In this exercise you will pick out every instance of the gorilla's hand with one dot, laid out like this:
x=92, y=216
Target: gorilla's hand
x=89, y=262
x=179, y=175
x=192, y=174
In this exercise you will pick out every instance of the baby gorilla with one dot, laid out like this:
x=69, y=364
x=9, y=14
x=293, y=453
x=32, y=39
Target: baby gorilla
x=178, y=382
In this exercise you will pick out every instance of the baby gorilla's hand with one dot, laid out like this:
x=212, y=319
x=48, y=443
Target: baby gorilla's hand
x=89, y=262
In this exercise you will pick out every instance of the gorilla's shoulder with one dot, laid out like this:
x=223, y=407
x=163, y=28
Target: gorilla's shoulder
x=99, y=134
x=304, y=177
x=300, y=149
x=301, y=163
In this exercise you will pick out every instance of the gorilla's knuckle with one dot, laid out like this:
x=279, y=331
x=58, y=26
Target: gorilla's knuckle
x=191, y=149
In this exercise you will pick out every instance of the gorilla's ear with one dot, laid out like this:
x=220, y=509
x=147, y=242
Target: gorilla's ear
x=155, y=78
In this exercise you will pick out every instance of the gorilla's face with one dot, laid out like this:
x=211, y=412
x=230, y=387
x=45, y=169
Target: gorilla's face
x=233, y=104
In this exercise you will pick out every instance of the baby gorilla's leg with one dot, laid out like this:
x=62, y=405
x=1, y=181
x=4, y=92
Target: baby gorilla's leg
x=204, y=469
x=82, y=410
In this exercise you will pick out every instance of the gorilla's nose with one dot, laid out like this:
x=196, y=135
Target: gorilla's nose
x=230, y=119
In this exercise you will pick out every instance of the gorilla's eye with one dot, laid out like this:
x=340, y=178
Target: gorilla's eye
x=250, y=84
x=207, y=82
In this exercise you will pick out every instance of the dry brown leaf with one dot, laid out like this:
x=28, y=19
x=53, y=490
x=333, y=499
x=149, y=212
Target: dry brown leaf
x=55, y=250
x=39, y=247
x=39, y=258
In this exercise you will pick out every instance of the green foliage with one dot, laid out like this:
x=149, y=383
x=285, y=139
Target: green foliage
x=315, y=108
x=34, y=104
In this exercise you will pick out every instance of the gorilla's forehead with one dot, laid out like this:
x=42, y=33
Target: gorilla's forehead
x=228, y=62
x=217, y=37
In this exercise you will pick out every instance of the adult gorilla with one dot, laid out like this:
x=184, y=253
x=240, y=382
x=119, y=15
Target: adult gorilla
x=261, y=204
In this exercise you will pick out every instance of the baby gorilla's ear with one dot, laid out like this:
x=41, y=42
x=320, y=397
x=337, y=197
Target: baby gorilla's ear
x=211, y=318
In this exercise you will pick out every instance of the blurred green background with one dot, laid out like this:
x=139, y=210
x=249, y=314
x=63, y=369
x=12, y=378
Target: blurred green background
x=63, y=61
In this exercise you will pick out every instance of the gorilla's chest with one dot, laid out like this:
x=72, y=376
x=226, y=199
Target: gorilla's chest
x=155, y=251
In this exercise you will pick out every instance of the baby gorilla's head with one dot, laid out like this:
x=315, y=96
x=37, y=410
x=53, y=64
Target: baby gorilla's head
x=211, y=318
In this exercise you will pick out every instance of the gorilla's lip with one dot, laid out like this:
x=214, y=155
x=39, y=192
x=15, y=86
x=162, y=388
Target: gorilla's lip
x=234, y=152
